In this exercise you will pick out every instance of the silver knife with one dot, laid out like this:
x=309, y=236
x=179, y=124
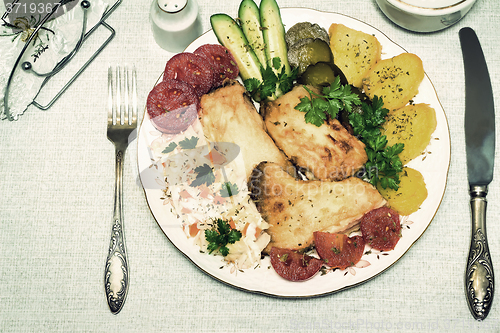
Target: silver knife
x=480, y=149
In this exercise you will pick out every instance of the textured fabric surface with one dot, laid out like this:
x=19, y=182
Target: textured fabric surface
x=56, y=190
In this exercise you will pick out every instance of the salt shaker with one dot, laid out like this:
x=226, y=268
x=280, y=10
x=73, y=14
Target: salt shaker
x=175, y=23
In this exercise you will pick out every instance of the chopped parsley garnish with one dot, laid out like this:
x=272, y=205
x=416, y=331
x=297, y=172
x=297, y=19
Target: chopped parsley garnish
x=334, y=98
x=384, y=165
x=189, y=143
x=285, y=82
x=228, y=190
x=204, y=175
x=273, y=83
x=220, y=235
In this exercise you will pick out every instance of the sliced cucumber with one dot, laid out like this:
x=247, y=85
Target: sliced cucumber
x=250, y=24
x=232, y=37
x=274, y=33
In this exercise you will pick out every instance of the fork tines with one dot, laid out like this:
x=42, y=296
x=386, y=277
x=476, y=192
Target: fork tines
x=122, y=96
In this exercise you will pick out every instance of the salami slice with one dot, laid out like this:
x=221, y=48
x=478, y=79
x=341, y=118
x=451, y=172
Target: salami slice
x=190, y=68
x=292, y=265
x=172, y=106
x=223, y=63
x=339, y=250
x=381, y=228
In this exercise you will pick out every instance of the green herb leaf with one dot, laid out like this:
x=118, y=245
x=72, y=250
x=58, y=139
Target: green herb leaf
x=220, y=235
x=315, y=109
x=332, y=99
x=383, y=166
x=268, y=87
x=276, y=61
x=170, y=148
x=233, y=236
x=224, y=250
x=189, y=143
x=251, y=84
x=272, y=82
x=211, y=236
x=286, y=81
x=204, y=175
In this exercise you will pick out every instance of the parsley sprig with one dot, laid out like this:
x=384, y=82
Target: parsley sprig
x=274, y=82
x=220, y=236
x=334, y=98
x=384, y=165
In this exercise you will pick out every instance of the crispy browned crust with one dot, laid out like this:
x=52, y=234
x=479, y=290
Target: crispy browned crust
x=329, y=152
x=296, y=208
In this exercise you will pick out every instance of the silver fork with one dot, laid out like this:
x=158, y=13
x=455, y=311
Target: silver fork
x=122, y=123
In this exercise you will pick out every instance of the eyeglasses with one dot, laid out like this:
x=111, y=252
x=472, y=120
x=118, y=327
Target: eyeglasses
x=29, y=32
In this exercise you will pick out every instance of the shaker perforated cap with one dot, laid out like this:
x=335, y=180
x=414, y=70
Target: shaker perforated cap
x=172, y=6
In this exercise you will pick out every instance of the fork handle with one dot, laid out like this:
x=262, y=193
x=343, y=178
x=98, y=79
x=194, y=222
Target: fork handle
x=116, y=274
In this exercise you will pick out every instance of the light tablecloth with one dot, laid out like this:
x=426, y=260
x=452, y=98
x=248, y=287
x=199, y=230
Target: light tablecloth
x=56, y=190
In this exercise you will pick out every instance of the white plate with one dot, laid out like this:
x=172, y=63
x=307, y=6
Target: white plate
x=433, y=165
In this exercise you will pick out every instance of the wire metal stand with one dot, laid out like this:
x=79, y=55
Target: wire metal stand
x=27, y=66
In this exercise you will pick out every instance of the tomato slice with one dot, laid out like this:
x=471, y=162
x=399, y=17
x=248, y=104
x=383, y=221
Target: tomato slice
x=172, y=106
x=191, y=68
x=292, y=265
x=223, y=63
x=339, y=250
x=381, y=228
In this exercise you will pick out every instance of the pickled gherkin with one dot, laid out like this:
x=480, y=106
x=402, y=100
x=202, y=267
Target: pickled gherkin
x=321, y=74
x=308, y=52
x=305, y=30
x=318, y=75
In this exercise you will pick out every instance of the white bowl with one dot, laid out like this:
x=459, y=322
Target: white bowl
x=425, y=15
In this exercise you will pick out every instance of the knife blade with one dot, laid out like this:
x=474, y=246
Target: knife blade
x=480, y=150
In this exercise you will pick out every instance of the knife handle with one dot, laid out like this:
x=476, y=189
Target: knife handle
x=479, y=279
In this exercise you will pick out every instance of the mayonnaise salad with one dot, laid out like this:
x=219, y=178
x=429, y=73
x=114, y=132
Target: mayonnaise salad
x=206, y=181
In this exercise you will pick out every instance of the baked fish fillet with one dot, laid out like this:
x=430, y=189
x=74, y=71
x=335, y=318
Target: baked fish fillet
x=329, y=152
x=297, y=208
x=228, y=115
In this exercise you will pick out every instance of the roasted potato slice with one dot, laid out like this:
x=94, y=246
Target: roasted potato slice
x=395, y=80
x=410, y=195
x=354, y=52
x=412, y=125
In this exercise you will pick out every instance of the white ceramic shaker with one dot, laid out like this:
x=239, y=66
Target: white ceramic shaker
x=175, y=23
